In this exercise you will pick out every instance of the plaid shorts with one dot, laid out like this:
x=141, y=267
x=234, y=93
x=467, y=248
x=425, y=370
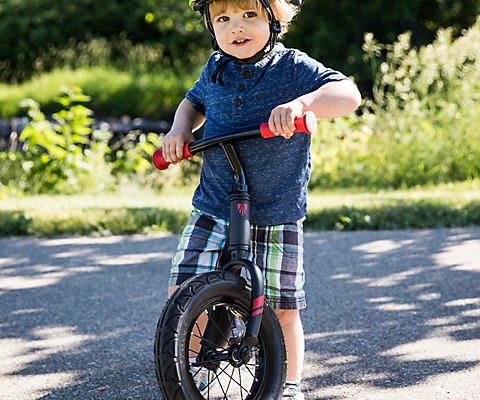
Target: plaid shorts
x=277, y=250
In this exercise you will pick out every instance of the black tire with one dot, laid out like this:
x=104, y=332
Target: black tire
x=262, y=377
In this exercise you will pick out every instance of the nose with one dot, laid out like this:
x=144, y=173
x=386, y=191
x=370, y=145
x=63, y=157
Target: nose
x=237, y=27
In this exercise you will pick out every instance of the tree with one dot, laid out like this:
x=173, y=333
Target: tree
x=333, y=30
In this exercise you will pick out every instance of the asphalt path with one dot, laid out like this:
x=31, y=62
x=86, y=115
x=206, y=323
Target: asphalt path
x=391, y=315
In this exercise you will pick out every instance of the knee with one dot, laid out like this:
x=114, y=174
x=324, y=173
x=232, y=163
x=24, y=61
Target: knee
x=288, y=317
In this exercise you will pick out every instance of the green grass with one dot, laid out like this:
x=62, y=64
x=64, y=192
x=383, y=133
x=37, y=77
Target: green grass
x=114, y=93
x=453, y=205
x=124, y=212
x=141, y=211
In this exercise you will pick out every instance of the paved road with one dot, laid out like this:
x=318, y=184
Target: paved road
x=392, y=315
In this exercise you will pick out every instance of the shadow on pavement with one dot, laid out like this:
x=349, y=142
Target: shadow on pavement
x=389, y=310
x=78, y=316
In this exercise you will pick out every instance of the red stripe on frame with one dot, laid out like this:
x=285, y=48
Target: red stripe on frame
x=258, y=302
x=259, y=311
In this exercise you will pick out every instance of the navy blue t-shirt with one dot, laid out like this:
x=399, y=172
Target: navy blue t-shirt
x=277, y=169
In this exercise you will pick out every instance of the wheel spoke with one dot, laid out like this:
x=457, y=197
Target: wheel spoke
x=190, y=358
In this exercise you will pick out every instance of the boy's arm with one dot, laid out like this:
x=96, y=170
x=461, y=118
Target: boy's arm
x=334, y=99
x=186, y=121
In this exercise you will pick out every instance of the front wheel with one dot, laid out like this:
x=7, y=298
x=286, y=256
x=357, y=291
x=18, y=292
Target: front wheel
x=200, y=328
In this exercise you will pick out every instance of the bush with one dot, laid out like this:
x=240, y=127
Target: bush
x=63, y=156
x=423, y=126
x=31, y=28
x=41, y=35
x=332, y=31
x=13, y=223
x=66, y=155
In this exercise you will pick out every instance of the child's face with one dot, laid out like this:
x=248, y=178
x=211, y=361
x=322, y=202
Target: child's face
x=240, y=32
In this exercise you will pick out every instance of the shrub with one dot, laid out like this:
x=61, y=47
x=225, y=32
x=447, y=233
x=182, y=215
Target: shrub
x=63, y=155
x=33, y=27
x=423, y=126
x=13, y=223
x=41, y=35
x=332, y=30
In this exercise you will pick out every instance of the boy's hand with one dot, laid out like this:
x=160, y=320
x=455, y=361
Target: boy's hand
x=185, y=122
x=282, y=118
x=173, y=143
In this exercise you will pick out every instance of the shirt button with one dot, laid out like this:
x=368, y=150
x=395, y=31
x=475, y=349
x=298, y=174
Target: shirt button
x=238, y=101
x=241, y=87
x=246, y=74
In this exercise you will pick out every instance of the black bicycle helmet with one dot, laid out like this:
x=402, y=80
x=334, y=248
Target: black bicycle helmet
x=275, y=28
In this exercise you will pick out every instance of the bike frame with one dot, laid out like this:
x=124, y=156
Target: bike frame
x=238, y=239
x=238, y=236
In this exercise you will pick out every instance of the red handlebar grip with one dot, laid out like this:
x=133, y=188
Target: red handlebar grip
x=159, y=161
x=306, y=123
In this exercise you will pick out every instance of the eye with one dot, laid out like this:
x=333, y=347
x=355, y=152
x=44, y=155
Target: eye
x=250, y=14
x=222, y=18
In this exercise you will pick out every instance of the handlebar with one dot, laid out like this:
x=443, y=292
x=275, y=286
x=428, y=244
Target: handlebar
x=306, y=123
x=159, y=161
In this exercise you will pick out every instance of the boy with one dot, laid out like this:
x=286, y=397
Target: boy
x=251, y=79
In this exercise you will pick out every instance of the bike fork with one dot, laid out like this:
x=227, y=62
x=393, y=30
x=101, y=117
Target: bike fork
x=239, y=249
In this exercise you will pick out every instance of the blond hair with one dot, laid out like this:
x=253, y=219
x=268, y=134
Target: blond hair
x=283, y=10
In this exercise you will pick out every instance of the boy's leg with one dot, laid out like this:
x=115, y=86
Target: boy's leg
x=199, y=248
x=171, y=290
x=278, y=251
x=294, y=342
x=198, y=251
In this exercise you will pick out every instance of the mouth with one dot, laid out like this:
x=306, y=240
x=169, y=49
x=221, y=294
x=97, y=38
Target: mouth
x=240, y=41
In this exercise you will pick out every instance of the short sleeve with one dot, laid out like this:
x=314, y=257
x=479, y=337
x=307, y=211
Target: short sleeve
x=198, y=93
x=312, y=74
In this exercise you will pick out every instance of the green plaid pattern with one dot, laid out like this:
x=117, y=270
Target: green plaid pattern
x=277, y=250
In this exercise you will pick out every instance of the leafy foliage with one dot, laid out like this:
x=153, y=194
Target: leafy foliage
x=149, y=35
x=40, y=35
x=65, y=155
x=332, y=30
x=62, y=155
x=423, y=125
x=34, y=27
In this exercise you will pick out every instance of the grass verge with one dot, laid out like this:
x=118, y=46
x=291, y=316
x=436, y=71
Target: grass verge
x=114, y=93
x=135, y=211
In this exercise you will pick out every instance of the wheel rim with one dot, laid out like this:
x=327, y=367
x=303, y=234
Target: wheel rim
x=231, y=379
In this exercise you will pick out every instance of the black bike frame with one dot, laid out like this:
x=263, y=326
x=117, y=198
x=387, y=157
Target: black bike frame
x=239, y=230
